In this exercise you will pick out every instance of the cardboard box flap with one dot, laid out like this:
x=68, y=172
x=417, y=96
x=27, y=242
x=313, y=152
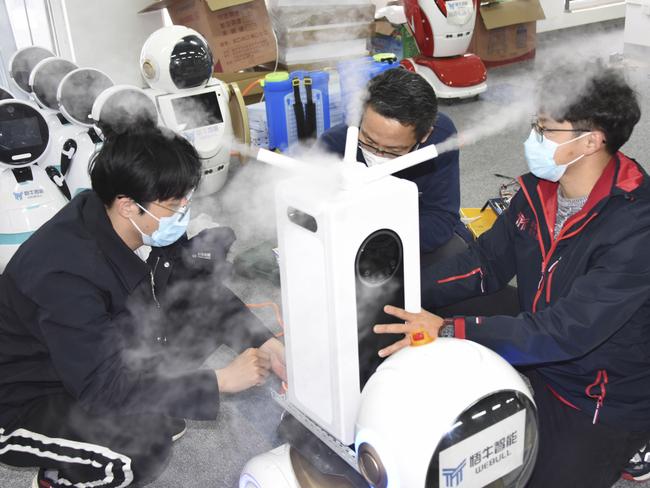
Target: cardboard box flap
x=213, y=4
x=503, y=14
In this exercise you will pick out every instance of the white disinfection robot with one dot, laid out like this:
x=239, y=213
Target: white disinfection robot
x=349, y=245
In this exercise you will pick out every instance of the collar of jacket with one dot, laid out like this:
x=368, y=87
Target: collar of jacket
x=622, y=177
x=128, y=266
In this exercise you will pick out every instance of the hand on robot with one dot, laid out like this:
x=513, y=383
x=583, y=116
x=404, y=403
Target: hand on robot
x=275, y=349
x=413, y=323
x=250, y=368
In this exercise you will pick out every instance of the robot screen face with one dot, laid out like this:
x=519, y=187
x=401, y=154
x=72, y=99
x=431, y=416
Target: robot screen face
x=23, y=62
x=191, y=63
x=197, y=110
x=23, y=134
x=78, y=91
x=46, y=78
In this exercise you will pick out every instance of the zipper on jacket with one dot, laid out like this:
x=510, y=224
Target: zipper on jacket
x=551, y=270
x=601, y=382
x=153, y=283
x=476, y=271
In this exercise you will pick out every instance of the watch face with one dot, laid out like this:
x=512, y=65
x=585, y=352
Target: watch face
x=191, y=63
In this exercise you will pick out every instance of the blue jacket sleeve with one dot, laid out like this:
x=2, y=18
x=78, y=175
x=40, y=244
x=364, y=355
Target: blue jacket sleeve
x=599, y=304
x=439, y=202
x=485, y=267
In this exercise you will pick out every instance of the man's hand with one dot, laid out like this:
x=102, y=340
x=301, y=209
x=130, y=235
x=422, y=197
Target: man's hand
x=250, y=368
x=275, y=349
x=413, y=322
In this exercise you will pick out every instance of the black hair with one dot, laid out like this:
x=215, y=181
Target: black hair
x=145, y=165
x=404, y=96
x=592, y=97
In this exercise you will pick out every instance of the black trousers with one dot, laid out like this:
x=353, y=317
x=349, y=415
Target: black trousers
x=54, y=432
x=574, y=452
x=110, y=451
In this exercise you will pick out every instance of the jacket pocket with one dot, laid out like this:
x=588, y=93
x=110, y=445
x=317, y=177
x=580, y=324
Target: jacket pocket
x=474, y=272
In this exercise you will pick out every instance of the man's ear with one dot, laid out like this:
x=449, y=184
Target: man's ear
x=595, y=141
x=424, y=139
x=125, y=207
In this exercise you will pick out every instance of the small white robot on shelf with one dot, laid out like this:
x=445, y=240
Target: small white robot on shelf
x=177, y=64
x=44, y=82
x=76, y=95
x=442, y=31
x=28, y=197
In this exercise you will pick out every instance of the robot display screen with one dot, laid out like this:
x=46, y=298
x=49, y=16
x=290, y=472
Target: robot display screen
x=197, y=110
x=20, y=133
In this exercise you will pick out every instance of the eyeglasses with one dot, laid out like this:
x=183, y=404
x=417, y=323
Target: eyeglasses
x=183, y=209
x=382, y=153
x=539, y=130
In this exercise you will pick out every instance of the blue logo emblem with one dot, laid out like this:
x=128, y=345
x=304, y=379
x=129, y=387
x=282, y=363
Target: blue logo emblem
x=454, y=476
x=18, y=196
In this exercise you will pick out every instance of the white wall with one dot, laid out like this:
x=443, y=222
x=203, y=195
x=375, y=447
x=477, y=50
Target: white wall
x=557, y=18
x=107, y=35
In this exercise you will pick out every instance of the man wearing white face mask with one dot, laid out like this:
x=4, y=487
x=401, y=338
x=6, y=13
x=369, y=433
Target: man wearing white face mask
x=399, y=116
x=100, y=352
x=577, y=238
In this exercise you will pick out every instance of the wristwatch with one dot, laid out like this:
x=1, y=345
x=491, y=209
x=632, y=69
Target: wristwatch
x=447, y=329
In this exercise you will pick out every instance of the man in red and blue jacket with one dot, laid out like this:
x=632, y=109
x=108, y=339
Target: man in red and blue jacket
x=577, y=239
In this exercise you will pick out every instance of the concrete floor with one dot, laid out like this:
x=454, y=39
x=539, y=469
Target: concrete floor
x=212, y=454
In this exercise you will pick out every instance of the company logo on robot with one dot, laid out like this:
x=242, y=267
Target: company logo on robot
x=28, y=194
x=454, y=476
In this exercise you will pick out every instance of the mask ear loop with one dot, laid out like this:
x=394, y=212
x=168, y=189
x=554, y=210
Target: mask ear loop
x=572, y=140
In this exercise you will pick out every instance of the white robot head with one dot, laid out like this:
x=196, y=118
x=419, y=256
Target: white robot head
x=23, y=62
x=122, y=107
x=45, y=78
x=175, y=58
x=24, y=134
x=446, y=412
x=5, y=94
x=78, y=91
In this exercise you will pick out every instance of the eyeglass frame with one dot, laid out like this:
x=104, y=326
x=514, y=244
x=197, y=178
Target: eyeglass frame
x=381, y=153
x=539, y=130
x=183, y=209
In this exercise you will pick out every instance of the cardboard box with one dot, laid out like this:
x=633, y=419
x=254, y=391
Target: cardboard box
x=239, y=31
x=505, y=31
x=393, y=39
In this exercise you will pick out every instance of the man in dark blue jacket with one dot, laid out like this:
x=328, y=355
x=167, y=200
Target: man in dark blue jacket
x=577, y=238
x=101, y=352
x=399, y=116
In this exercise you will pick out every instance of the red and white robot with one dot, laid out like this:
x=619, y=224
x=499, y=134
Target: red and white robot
x=443, y=30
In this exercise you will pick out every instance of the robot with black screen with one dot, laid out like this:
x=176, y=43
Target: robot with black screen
x=177, y=64
x=28, y=198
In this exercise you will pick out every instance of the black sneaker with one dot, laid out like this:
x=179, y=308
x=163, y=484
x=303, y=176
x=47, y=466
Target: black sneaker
x=178, y=428
x=638, y=469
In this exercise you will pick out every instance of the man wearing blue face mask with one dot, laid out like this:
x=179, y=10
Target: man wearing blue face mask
x=100, y=352
x=576, y=237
